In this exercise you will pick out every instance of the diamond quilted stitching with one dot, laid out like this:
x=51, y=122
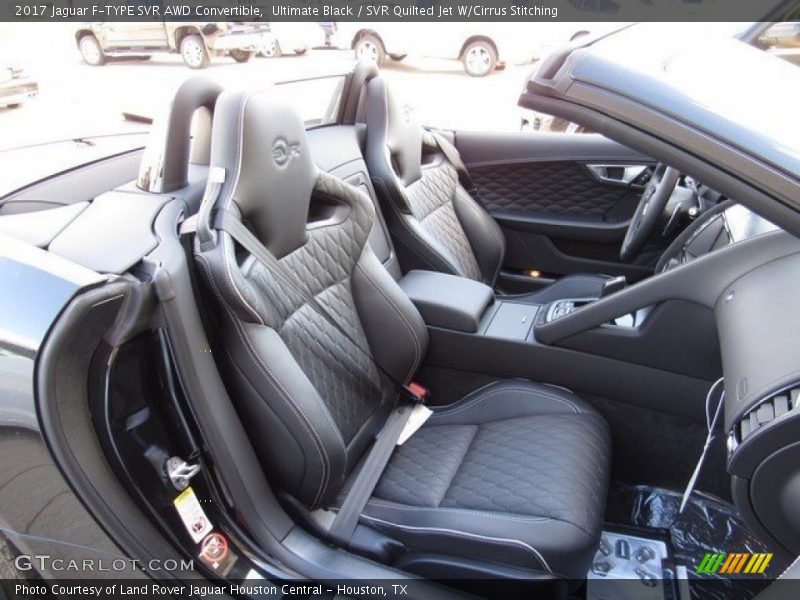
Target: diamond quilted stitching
x=554, y=187
x=549, y=465
x=343, y=375
x=421, y=469
x=434, y=189
x=431, y=202
x=340, y=371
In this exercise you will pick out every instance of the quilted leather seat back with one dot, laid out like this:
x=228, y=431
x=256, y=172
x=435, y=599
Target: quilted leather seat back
x=437, y=224
x=311, y=398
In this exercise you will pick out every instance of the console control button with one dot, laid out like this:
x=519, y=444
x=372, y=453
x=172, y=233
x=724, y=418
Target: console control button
x=623, y=549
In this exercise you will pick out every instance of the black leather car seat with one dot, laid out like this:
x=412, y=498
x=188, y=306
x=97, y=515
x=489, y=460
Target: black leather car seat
x=516, y=474
x=436, y=223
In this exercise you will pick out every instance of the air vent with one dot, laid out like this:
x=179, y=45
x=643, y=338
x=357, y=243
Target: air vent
x=767, y=411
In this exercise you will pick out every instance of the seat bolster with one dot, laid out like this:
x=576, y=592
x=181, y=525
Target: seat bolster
x=483, y=233
x=395, y=331
x=426, y=247
x=534, y=543
x=277, y=400
x=412, y=243
x=299, y=435
x=394, y=131
x=509, y=399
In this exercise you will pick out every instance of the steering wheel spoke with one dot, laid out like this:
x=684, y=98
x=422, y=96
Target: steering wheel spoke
x=645, y=220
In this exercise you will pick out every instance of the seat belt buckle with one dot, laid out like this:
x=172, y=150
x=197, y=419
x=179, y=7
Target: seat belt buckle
x=417, y=393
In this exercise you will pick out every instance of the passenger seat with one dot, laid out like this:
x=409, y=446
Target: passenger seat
x=514, y=476
x=437, y=225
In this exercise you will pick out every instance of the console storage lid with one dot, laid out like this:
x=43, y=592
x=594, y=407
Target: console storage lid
x=447, y=300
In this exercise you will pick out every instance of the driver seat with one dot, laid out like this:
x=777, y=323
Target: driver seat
x=437, y=225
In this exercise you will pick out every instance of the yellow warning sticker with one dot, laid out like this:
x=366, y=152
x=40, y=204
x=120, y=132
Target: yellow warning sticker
x=192, y=514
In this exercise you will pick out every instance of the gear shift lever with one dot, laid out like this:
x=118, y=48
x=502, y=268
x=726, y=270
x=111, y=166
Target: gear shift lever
x=562, y=308
x=613, y=285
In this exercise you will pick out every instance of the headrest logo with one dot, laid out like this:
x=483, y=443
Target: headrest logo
x=283, y=151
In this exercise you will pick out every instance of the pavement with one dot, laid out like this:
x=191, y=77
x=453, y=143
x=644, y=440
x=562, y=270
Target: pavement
x=77, y=100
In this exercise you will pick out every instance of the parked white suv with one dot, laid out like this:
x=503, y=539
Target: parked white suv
x=481, y=47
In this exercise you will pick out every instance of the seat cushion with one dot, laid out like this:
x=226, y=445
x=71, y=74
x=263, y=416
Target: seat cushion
x=515, y=473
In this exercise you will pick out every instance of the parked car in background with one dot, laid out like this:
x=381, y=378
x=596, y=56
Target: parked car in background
x=195, y=42
x=481, y=47
x=296, y=38
x=782, y=40
x=15, y=87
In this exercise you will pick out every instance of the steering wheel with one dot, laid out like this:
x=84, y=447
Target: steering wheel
x=654, y=200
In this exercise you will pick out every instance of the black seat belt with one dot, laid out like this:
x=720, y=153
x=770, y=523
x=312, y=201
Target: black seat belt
x=454, y=158
x=344, y=525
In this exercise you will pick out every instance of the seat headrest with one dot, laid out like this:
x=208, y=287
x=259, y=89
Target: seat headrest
x=261, y=143
x=400, y=128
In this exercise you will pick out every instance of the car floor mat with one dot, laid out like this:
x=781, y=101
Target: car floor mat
x=708, y=525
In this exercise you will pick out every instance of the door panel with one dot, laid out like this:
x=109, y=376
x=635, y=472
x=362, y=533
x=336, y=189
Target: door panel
x=145, y=34
x=557, y=188
x=563, y=200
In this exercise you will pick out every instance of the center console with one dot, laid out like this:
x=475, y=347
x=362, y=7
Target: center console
x=510, y=320
x=562, y=308
x=460, y=304
x=463, y=305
